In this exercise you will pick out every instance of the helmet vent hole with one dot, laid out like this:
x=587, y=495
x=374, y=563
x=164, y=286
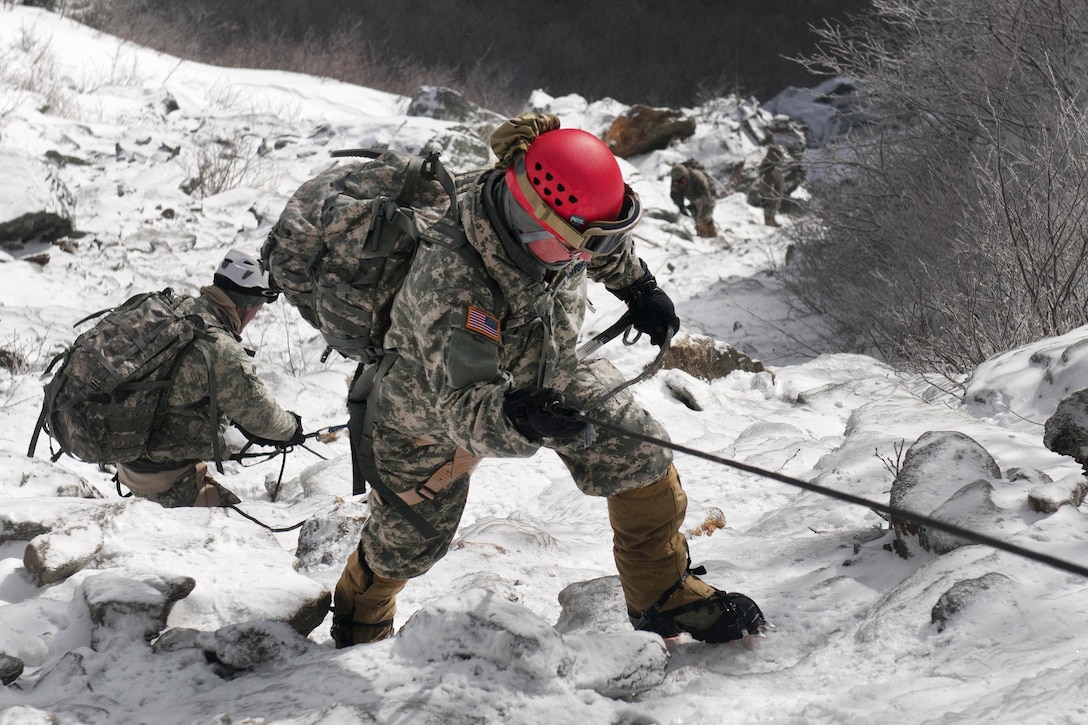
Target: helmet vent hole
x=537, y=166
x=572, y=199
x=548, y=176
x=560, y=188
x=559, y=202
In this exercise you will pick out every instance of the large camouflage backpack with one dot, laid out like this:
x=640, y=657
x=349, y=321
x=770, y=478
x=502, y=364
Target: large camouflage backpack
x=342, y=246
x=340, y=251
x=109, y=392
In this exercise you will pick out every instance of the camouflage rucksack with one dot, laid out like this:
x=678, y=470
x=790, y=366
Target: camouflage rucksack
x=343, y=244
x=107, y=396
x=340, y=251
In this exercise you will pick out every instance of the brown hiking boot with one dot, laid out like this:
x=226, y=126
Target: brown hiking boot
x=714, y=617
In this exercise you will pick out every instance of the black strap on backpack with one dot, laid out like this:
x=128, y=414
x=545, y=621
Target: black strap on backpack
x=47, y=405
x=361, y=436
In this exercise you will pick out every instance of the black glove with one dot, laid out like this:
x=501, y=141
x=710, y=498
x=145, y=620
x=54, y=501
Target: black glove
x=652, y=310
x=296, y=439
x=537, y=413
x=681, y=202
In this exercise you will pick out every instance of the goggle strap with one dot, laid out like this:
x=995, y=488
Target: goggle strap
x=545, y=214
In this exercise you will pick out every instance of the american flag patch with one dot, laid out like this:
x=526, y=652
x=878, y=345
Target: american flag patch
x=483, y=323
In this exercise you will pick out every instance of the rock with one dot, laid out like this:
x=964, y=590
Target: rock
x=68, y=675
x=22, y=519
x=447, y=104
x=943, y=469
x=610, y=657
x=251, y=644
x=10, y=669
x=325, y=542
x=1066, y=430
x=972, y=507
x=963, y=594
x=35, y=205
x=57, y=555
x=704, y=358
x=1049, y=497
x=21, y=477
x=27, y=715
x=126, y=609
x=462, y=148
x=486, y=628
x=620, y=664
x=826, y=111
x=642, y=129
x=310, y=613
x=593, y=607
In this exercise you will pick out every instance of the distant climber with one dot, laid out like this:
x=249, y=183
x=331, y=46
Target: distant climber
x=772, y=183
x=691, y=184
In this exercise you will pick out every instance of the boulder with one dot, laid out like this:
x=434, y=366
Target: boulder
x=126, y=610
x=35, y=205
x=58, y=554
x=248, y=645
x=643, y=129
x=964, y=594
x=707, y=359
x=446, y=104
x=10, y=668
x=945, y=475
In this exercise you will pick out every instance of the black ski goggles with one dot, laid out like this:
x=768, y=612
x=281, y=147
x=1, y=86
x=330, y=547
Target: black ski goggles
x=601, y=237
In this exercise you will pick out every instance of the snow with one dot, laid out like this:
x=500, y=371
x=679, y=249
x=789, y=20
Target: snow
x=484, y=636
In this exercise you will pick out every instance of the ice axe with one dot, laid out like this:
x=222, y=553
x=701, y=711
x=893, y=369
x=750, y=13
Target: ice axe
x=622, y=326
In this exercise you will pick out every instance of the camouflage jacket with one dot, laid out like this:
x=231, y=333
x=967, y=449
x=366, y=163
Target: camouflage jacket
x=185, y=433
x=690, y=183
x=463, y=346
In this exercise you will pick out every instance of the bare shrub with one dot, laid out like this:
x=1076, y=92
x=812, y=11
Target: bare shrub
x=715, y=519
x=893, y=462
x=29, y=65
x=22, y=355
x=219, y=160
x=954, y=227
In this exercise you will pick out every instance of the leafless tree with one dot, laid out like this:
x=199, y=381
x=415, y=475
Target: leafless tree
x=955, y=224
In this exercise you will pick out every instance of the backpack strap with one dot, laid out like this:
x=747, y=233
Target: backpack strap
x=213, y=408
x=47, y=405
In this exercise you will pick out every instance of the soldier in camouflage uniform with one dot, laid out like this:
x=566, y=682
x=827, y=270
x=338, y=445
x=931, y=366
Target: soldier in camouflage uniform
x=174, y=473
x=772, y=183
x=486, y=366
x=691, y=184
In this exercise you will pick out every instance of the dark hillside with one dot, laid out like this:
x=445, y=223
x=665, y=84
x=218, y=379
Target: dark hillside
x=638, y=51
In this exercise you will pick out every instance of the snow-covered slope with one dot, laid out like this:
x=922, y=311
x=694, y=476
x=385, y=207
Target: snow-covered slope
x=484, y=636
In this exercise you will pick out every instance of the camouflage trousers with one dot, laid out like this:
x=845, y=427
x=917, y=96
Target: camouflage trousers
x=190, y=486
x=611, y=464
x=703, y=213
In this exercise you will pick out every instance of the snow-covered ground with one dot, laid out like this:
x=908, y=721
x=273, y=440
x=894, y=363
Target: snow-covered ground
x=483, y=636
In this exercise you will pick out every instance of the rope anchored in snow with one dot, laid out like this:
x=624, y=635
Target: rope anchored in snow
x=911, y=516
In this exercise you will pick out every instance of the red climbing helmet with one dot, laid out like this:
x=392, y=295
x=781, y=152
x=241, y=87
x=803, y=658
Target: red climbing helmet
x=570, y=182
